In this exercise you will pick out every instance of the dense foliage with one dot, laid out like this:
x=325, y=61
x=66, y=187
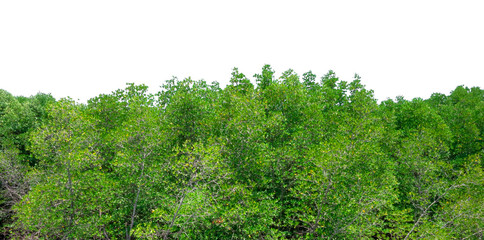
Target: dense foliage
x=287, y=158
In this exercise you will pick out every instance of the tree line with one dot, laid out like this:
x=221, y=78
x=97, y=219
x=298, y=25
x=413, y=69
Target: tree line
x=294, y=157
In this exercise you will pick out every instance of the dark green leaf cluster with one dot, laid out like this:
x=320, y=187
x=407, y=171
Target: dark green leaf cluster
x=287, y=158
x=19, y=116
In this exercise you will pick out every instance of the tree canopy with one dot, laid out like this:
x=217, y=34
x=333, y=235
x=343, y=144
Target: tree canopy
x=285, y=158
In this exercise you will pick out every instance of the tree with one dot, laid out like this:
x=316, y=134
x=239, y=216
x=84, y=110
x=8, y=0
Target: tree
x=293, y=158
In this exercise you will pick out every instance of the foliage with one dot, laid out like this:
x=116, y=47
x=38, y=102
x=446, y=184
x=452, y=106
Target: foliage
x=18, y=117
x=291, y=157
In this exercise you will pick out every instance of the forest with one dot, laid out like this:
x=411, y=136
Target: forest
x=292, y=157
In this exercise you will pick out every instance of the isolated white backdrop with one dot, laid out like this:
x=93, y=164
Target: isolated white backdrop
x=83, y=48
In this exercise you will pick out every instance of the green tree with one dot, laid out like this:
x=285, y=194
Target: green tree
x=18, y=117
x=292, y=158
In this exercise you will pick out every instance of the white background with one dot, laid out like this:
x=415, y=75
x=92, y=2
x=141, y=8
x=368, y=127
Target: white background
x=83, y=48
